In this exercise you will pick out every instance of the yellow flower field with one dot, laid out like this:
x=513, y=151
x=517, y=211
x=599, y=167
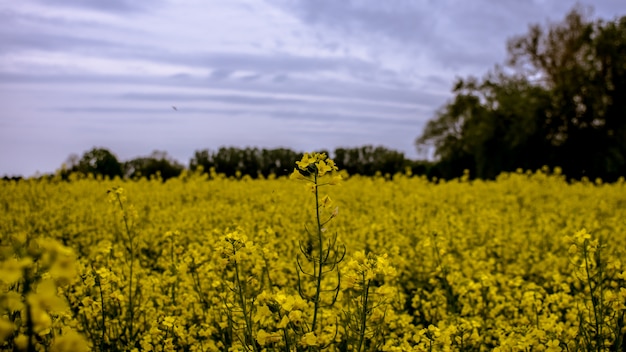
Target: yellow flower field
x=203, y=263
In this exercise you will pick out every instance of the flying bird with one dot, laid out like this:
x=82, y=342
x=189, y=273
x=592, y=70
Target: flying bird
x=173, y=107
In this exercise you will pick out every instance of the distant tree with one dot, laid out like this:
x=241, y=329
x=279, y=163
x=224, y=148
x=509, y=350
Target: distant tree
x=228, y=160
x=202, y=158
x=158, y=163
x=12, y=178
x=98, y=161
x=279, y=162
x=423, y=168
x=562, y=102
x=72, y=161
x=251, y=162
x=490, y=127
x=248, y=161
x=583, y=63
x=367, y=160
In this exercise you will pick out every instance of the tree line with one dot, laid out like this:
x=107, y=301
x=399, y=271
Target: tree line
x=236, y=162
x=559, y=100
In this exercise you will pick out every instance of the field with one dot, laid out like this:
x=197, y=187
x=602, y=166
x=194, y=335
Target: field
x=528, y=262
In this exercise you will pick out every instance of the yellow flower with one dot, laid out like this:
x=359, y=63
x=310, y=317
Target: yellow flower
x=287, y=303
x=63, y=269
x=6, y=329
x=13, y=301
x=322, y=164
x=21, y=342
x=323, y=168
x=573, y=249
x=70, y=342
x=169, y=321
x=553, y=346
x=296, y=175
x=283, y=322
x=263, y=315
x=581, y=236
x=41, y=320
x=335, y=180
x=306, y=160
x=116, y=296
x=331, y=164
x=295, y=316
x=261, y=337
x=46, y=297
x=309, y=339
x=11, y=270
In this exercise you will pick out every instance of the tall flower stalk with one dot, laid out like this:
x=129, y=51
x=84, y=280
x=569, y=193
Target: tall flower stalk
x=319, y=254
x=117, y=197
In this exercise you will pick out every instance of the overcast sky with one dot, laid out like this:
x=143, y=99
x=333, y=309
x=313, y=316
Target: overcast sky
x=305, y=75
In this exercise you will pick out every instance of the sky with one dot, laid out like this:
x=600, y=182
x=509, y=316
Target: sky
x=304, y=75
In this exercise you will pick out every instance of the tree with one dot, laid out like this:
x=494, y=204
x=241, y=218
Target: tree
x=228, y=160
x=562, y=102
x=279, y=162
x=98, y=161
x=367, y=160
x=158, y=163
x=584, y=65
x=248, y=161
x=202, y=158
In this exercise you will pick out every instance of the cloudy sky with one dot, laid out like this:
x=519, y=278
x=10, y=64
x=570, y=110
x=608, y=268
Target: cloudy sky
x=306, y=75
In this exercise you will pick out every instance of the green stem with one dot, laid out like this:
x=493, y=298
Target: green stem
x=246, y=318
x=318, y=271
x=173, y=263
x=131, y=308
x=364, y=299
x=593, y=301
x=99, y=284
x=271, y=286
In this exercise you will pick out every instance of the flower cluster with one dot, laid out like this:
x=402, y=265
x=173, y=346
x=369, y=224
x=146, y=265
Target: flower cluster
x=363, y=268
x=33, y=312
x=313, y=166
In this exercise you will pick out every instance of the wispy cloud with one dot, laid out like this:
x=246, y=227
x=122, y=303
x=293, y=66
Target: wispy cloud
x=119, y=6
x=293, y=73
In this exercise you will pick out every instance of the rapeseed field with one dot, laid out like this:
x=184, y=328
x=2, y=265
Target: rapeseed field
x=316, y=261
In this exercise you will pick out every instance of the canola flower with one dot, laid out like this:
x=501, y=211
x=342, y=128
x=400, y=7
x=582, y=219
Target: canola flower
x=525, y=262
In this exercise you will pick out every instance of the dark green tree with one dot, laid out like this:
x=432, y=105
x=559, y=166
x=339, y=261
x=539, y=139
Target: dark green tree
x=279, y=162
x=584, y=65
x=157, y=163
x=202, y=158
x=561, y=102
x=368, y=159
x=228, y=160
x=248, y=161
x=489, y=127
x=99, y=161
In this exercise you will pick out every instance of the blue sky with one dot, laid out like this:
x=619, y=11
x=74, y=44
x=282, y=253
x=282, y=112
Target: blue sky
x=305, y=75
